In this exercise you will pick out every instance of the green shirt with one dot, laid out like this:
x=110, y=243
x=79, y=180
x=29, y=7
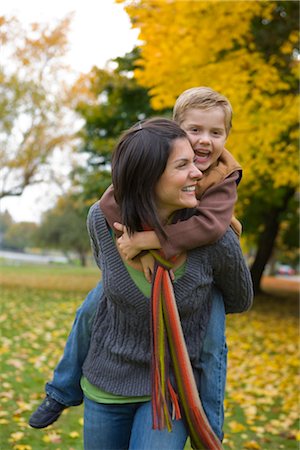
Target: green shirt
x=98, y=395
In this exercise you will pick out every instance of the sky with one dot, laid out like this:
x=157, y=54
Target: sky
x=100, y=31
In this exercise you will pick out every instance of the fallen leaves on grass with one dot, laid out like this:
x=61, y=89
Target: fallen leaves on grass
x=33, y=336
x=263, y=371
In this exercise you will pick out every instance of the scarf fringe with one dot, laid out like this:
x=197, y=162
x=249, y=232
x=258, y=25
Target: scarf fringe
x=168, y=341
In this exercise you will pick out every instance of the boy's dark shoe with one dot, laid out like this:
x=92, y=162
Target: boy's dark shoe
x=47, y=413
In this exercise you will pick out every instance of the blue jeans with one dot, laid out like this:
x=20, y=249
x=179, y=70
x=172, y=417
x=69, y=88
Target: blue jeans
x=213, y=362
x=127, y=426
x=65, y=385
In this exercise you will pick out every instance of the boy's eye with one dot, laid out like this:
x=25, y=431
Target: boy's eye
x=217, y=132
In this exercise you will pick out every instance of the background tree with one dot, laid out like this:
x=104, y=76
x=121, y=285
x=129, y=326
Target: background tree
x=20, y=236
x=64, y=227
x=6, y=222
x=34, y=118
x=109, y=101
x=248, y=51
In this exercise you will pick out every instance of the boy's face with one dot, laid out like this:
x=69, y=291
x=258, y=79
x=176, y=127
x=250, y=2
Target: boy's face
x=207, y=134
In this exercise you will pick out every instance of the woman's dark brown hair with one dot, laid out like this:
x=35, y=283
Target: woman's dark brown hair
x=139, y=160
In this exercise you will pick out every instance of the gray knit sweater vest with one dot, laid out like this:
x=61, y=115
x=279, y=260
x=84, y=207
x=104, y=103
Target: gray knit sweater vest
x=119, y=357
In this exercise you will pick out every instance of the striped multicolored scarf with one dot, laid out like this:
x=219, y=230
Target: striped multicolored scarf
x=168, y=342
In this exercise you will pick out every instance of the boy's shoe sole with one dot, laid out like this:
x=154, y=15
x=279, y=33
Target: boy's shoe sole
x=47, y=413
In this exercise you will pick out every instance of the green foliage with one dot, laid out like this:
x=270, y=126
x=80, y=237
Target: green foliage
x=5, y=221
x=20, y=236
x=16, y=236
x=64, y=227
x=110, y=101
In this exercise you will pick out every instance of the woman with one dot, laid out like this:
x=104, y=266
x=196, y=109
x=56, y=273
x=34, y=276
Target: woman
x=154, y=178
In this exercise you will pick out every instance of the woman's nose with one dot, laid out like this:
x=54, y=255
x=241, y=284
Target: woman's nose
x=196, y=173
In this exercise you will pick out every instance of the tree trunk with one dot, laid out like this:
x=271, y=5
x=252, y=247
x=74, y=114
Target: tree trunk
x=82, y=258
x=267, y=240
x=265, y=247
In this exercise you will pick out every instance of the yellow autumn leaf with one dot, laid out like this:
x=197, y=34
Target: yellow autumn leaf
x=17, y=436
x=74, y=434
x=80, y=421
x=22, y=447
x=53, y=437
x=3, y=421
x=252, y=445
x=236, y=427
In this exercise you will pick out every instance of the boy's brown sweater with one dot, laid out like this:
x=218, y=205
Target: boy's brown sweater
x=217, y=195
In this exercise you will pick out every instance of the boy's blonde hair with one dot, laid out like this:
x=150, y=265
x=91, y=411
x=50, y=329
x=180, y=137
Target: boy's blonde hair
x=202, y=98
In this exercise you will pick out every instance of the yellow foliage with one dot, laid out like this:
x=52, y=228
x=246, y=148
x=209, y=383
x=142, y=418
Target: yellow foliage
x=211, y=43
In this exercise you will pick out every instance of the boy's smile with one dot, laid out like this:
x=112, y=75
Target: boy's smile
x=207, y=134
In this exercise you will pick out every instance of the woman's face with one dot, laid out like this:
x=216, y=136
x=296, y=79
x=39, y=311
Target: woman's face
x=176, y=188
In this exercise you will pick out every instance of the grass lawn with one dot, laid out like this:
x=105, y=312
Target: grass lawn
x=38, y=304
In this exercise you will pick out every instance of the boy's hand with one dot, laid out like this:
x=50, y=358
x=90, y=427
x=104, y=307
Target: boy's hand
x=147, y=261
x=137, y=242
x=132, y=245
x=127, y=244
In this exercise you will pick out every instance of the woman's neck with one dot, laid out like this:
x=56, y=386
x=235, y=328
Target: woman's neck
x=165, y=216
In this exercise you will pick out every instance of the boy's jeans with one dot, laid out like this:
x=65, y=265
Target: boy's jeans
x=65, y=385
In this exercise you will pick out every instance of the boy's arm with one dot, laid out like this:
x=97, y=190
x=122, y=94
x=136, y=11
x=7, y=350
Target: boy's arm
x=110, y=208
x=212, y=218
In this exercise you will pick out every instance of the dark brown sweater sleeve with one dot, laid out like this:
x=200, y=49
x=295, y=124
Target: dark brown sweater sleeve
x=110, y=208
x=212, y=219
x=213, y=216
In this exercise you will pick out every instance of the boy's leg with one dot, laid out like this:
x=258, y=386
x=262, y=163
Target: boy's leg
x=213, y=362
x=64, y=390
x=65, y=385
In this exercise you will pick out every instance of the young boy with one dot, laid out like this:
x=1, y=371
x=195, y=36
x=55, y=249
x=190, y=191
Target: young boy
x=205, y=115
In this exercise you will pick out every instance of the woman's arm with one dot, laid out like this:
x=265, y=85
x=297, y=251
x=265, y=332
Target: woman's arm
x=94, y=241
x=231, y=273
